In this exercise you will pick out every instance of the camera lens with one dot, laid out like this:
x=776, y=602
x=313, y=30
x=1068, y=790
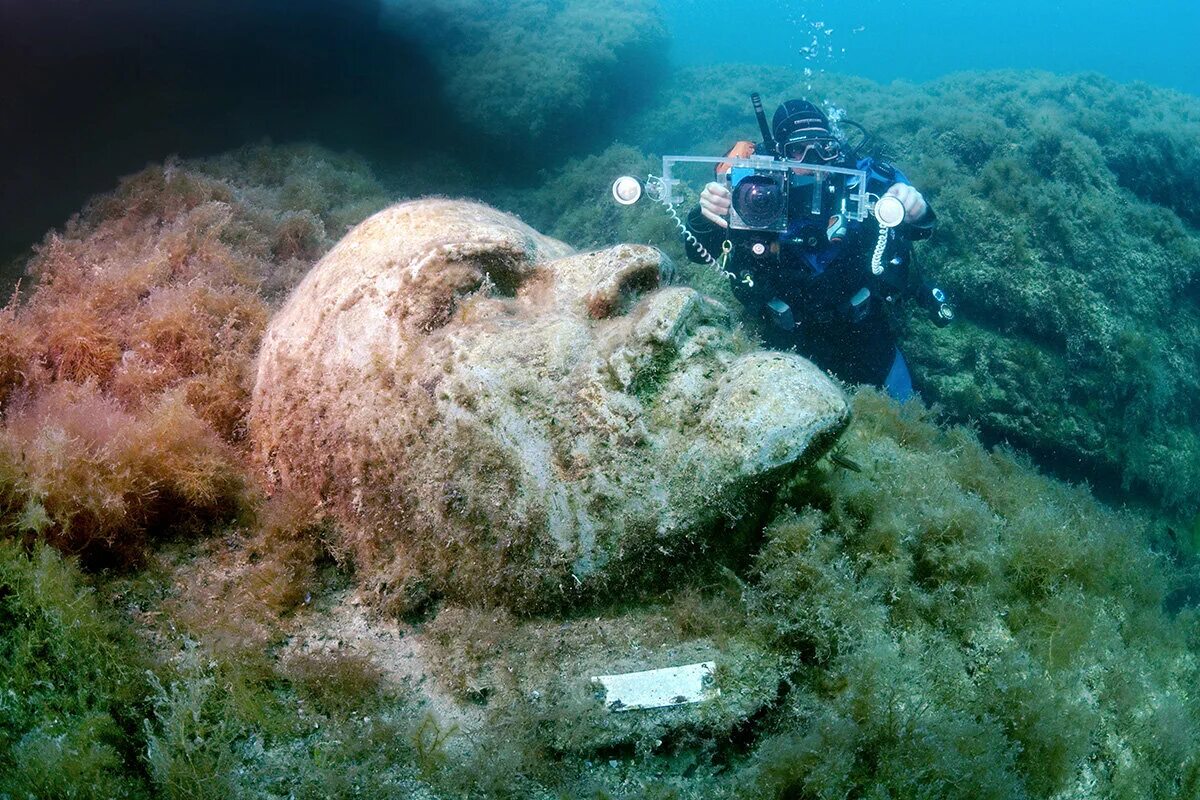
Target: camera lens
x=758, y=200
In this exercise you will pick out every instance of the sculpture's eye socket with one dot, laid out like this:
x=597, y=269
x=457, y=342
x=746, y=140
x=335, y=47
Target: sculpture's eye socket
x=504, y=272
x=633, y=285
x=442, y=287
x=618, y=291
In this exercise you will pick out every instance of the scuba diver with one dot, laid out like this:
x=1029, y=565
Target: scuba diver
x=808, y=276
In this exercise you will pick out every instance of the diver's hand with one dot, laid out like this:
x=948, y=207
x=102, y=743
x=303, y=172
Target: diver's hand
x=714, y=203
x=911, y=199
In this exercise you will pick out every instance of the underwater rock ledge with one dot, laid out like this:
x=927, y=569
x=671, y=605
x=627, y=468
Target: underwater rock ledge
x=493, y=417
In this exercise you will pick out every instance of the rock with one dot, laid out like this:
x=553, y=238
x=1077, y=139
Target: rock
x=534, y=78
x=494, y=417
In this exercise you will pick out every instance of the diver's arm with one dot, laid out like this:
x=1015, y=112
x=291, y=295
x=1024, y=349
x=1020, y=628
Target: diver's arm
x=919, y=218
x=708, y=234
x=929, y=296
x=901, y=277
x=752, y=290
x=934, y=300
x=919, y=221
x=755, y=293
x=715, y=202
x=708, y=221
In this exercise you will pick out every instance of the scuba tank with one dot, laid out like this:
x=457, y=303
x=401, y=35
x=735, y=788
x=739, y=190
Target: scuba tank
x=740, y=149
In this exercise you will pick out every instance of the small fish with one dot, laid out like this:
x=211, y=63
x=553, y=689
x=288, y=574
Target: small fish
x=844, y=462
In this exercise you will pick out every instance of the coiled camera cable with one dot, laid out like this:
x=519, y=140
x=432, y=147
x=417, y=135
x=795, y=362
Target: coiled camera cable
x=655, y=190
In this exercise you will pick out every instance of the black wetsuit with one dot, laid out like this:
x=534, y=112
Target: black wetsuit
x=804, y=284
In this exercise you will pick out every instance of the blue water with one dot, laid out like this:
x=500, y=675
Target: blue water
x=921, y=39
x=211, y=75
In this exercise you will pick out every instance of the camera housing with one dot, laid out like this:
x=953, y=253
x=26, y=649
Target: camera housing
x=767, y=196
x=768, y=192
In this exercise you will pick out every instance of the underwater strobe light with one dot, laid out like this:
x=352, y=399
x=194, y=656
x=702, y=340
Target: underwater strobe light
x=627, y=190
x=889, y=211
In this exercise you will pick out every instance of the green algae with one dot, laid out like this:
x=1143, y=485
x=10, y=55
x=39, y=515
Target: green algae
x=945, y=623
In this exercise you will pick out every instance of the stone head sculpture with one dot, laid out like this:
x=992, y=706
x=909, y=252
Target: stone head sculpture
x=491, y=416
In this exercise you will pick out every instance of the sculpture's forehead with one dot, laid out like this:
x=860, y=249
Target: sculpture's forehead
x=419, y=231
x=432, y=221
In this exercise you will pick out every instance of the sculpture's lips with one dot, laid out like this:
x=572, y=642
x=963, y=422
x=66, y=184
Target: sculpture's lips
x=769, y=411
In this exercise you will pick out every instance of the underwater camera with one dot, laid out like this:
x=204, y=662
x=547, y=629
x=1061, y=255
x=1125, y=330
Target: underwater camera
x=759, y=199
x=767, y=191
x=769, y=194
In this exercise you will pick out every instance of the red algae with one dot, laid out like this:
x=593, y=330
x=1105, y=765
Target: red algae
x=125, y=371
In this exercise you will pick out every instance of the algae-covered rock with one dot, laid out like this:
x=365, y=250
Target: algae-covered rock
x=533, y=77
x=495, y=417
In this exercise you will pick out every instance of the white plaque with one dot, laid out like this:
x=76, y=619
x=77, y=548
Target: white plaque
x=659, y=688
